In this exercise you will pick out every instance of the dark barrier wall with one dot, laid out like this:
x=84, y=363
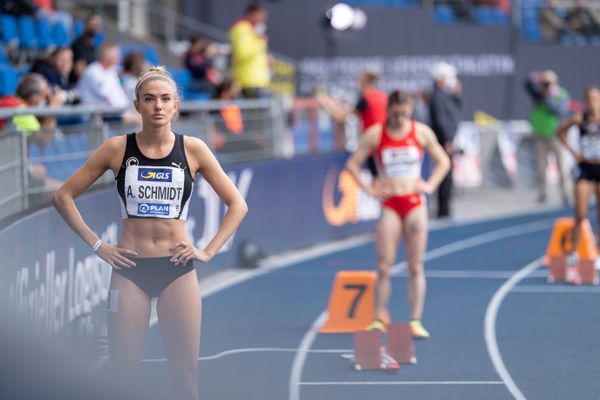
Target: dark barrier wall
x=56, y=279
x=402, y=44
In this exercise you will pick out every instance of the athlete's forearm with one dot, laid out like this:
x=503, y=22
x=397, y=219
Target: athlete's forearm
x=232, y=219
x=354, y=169
x=65, y=205
x=440, y=170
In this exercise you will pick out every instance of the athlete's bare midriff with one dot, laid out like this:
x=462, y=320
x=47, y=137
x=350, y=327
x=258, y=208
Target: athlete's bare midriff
x=400, y=186
x=152, y=237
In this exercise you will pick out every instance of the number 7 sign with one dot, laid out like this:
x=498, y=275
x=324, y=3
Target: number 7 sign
x=351, y=303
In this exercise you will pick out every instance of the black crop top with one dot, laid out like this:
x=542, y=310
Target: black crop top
x=154, y=188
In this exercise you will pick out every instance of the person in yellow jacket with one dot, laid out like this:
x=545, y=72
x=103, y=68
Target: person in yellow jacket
x=249, y=52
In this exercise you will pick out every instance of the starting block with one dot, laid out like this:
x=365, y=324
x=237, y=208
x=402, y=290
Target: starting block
x=372, y=354
x=561, y=244
x=400, y=343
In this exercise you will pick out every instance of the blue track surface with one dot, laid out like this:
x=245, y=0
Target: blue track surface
x=547, y=339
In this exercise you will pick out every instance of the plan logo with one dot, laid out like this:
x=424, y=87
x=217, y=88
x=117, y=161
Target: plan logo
x=153, y=209
x=155, y=174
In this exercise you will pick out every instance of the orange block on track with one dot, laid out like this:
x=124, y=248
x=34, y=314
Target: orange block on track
x=561, y=241
x=351, y=303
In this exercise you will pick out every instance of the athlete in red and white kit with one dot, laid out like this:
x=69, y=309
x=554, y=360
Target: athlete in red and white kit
x=399, y=146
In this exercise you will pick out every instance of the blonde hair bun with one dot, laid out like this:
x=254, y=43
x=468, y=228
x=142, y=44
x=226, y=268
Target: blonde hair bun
x=155, y=72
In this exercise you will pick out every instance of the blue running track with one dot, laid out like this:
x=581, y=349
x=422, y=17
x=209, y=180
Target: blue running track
x=499, y=330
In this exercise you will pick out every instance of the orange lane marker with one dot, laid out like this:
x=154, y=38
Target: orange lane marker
x=351, y=303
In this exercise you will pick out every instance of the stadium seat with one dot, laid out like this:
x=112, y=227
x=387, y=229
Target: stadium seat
x=484, y=15
x=44, y=33
x=499, y=17
x=151, y=55
x=60, y=35
x=8, y=79
x=78, y=27
x=3, y=57
x=10, y=33
x=442, y=14
x=27, y=35
x=182, y=78
x=531, y=30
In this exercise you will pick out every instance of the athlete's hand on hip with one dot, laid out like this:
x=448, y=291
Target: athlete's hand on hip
x=115, y=256
x=380, y=190
x=184, y=252
x=425, y=187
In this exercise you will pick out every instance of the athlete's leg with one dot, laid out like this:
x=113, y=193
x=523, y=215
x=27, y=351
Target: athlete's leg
x=557, y=149
x=583, y=193
x=414, y=230
x=597, y=193
x=388, y=235
x=127, y=318
x=178, y=308
x=541, y=150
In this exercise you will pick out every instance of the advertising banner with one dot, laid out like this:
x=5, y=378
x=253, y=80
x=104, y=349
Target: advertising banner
x=56, y=279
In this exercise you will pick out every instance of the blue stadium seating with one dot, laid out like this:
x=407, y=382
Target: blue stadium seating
x=443, y=14
x=27, y=36
x=530, y=30
x=78, y=28
x=10, y=33
x=8, y=79
x=43, y=30
x=499, y=17
x=484, y=15
x=61, y=145
x=151, y=55
x=182, y=78
x=60, y=37
x=3, y=58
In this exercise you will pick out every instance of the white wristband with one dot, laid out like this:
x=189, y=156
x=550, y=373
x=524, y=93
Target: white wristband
x=97, y=245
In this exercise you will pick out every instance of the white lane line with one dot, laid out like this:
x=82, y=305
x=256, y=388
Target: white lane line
x=478, y=240
x=301, y=353
x=555, y=289
x=353, y=383
x=233, y=352
x=460, y=245
x=490, y=326
x=466, y=274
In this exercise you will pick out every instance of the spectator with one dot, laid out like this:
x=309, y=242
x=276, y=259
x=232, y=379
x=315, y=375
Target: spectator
x=551, y=103
x=33, y=91
x=444, y=112
x=100, y=84
x=371, y=106
x=56, y=69
x=249, y=48
x=581, y=21
x=552, y=23
x=198, y=60
x=84, y=52
x=228, y=120
x=134, y=64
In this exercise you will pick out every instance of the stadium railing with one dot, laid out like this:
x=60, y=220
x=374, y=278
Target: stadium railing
x=236, y=131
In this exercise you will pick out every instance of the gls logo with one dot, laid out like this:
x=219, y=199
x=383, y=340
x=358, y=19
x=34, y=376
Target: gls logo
x=155, y=174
